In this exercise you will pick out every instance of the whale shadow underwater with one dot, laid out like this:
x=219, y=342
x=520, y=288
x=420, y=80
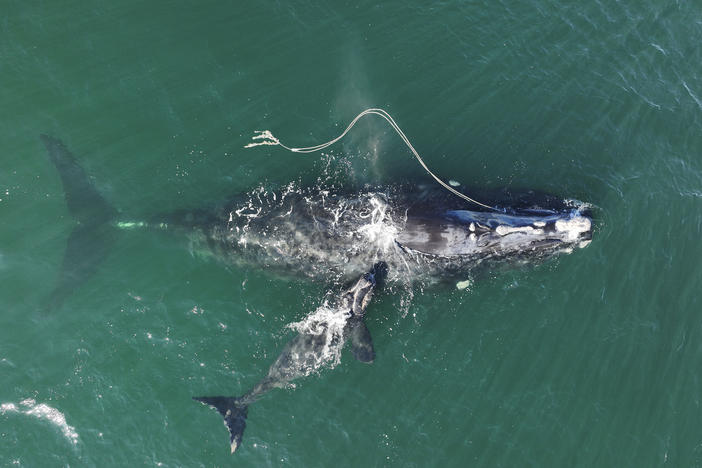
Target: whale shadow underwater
x=358, y=240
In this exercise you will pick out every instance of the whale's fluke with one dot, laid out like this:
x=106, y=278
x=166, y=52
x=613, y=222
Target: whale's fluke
x=84, y=202
x=234, y=414
x=91, y=238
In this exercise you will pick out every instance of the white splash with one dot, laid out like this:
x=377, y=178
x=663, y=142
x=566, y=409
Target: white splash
x=45, y=412
x=380, y=230
x=8, y=408
x=327, y=323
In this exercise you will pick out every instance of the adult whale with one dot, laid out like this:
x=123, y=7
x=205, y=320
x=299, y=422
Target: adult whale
x=423, y=234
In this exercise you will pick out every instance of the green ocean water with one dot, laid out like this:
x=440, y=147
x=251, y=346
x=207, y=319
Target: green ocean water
x=591, y=359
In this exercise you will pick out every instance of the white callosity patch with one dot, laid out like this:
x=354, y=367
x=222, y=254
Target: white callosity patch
x=572, y=228
x=504, y=230
x=45, y=412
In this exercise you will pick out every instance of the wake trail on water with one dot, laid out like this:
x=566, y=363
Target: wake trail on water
x=42, y=412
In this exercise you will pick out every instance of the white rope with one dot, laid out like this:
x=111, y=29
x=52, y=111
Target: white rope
x=267, y=138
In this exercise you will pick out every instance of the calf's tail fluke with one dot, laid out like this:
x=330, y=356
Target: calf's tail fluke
x=234, y=413
x=91, y=238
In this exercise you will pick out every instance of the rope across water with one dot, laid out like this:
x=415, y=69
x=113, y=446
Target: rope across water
x=267, y=138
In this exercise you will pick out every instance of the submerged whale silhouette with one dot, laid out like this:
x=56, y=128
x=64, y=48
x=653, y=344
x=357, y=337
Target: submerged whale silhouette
x=409, y=234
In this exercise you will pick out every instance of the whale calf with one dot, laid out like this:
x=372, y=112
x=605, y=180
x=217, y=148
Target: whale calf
x=308, y=351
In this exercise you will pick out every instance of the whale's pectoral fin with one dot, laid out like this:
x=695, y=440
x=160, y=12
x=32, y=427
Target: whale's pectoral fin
x=361, y=341
x=91, y=238
x=356, y=329
x=234, y=414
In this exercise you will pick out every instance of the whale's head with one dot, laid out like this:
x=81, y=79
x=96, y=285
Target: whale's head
x=498, y=234
x=529, y=232
x=359, y=295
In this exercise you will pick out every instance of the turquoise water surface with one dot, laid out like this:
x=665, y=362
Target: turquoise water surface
x=590, y=359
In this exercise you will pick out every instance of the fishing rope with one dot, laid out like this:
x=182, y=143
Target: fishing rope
x=267, y=138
